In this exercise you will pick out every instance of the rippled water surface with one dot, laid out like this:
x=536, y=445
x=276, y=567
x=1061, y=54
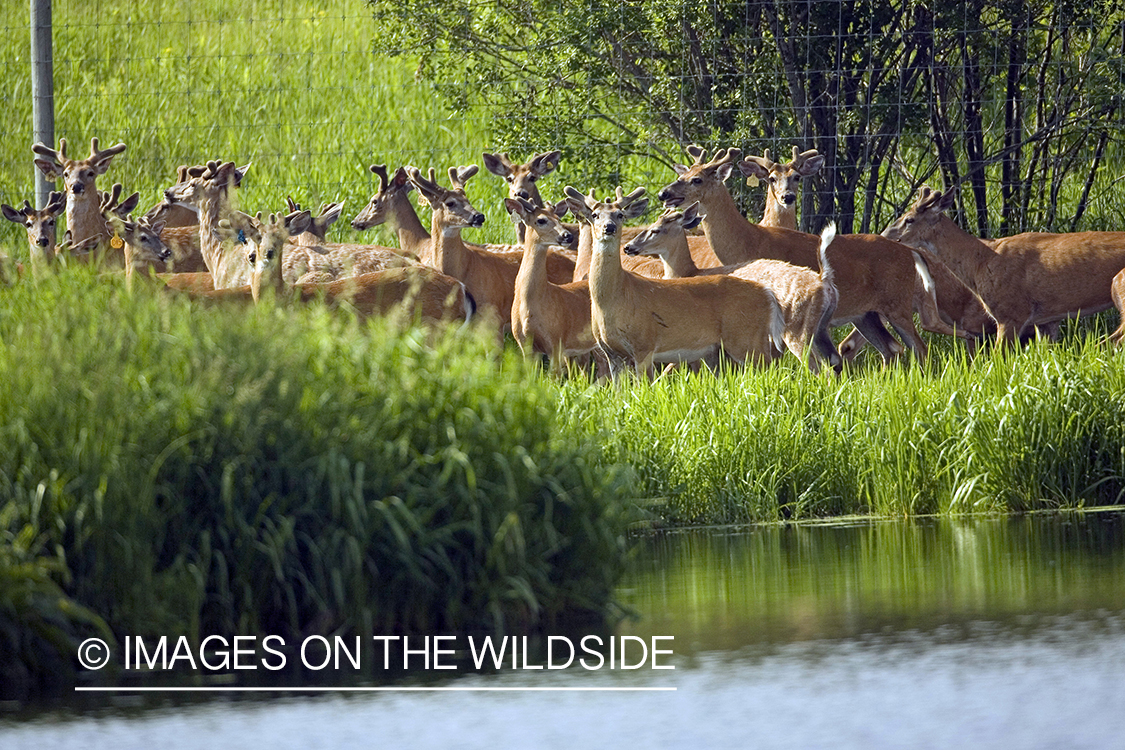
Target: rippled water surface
x=997, y=633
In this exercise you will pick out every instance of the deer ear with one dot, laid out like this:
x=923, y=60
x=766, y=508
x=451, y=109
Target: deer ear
x=493, y=164
x=560, y=209
x=948, y=200
x=680, y=169
x=811, y=166
x=12, y=214
x=514, y=210
x=752, y=167
x=49, y=169
x=723, y=172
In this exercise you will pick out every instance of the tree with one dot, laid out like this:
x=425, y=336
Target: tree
x=1022, y=94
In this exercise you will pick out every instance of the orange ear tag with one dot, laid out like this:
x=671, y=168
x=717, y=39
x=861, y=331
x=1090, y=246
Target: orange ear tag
x=116, y=242
x=753, y=180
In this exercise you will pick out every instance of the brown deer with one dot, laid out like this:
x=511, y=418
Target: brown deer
x=782, y=183
x=547, y=318
x=390, y=205
x=41, y=228
x=874, y=276
x=83, y=211
x=807, y=299
x=1026, y=280
x=669, y=320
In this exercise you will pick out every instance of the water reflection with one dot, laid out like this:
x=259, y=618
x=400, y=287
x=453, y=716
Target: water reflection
x=723, y=590
x=943, y=633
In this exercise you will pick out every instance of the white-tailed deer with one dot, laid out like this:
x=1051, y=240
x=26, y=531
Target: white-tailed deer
x=41, y=225
x=783, y=181
x=547, y=318
x=313, y=258
x=83, y=213
x=874, y=276
x=1117, y=293
x=415, y=290
x=390, y=205
x=183, y=238
x=959, y=312
x=521, y=179
x=1026, y=280
x=669, y=320
x=808, y=299
x=209, y=189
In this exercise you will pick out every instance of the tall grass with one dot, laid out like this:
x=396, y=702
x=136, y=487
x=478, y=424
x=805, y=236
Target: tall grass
x=1041, y=428
x=267, y=470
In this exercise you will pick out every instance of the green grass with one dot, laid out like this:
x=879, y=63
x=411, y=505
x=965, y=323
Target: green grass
x=247, y=469
x=1041, y=428
x=291, y=87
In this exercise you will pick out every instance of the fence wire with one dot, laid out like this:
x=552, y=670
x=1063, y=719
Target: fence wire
x=1018, y=104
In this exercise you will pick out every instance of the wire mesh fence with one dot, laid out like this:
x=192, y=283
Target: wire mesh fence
x=1018, y=104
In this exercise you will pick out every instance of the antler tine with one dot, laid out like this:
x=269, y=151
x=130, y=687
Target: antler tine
x=27, y=210
x=799, y=159
x=109, y=200
x=380, y=170
x=631, y=198
x=292, y=205
x=62, y=149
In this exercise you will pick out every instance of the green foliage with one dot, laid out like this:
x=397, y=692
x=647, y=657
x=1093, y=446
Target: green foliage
x=268, y=470
x=1000, y=433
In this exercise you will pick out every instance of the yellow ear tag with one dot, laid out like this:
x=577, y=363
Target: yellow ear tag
x=753, y=180
x=116, y=242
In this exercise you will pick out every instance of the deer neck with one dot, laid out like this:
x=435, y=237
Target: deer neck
x=607, y=277
x=412, y=236
x=448, y=253
x=777, y=215
x=964, y=254
x=84, y=215
x=677, y=260
x=585, y=251
x=532, y=276
x=725, y=228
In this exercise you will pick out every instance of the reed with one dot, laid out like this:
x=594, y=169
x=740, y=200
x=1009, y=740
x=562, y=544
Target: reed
x=260, y=469
x=1041, y=428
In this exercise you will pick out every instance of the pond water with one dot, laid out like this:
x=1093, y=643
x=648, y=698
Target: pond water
x=983, y=633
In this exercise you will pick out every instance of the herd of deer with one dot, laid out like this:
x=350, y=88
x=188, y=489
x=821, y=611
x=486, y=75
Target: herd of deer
x=662, y=294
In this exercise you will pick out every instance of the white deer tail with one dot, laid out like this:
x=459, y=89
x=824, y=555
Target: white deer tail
x=777, y=322
x=923, y=270
x=826, y=236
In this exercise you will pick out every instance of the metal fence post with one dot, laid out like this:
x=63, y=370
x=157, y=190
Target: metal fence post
x=42, y=90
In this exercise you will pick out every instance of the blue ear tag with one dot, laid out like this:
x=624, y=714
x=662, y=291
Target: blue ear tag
x=242, y=236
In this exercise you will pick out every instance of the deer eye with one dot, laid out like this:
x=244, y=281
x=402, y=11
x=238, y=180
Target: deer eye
x=451, y=204
x=509, y=178
x=796, y=178
x=696, y=180
x=541, y=221
x=533, y=178
x=253, y=258
x=269, y=255
x=773, y=178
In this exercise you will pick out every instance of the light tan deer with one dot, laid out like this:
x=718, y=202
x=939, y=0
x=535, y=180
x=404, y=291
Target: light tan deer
x=83, y=212
x=669, y=320
x=521, y=179
x=783, y=181
x=874, y=277
x=390, y=205
x=209, y=189
x=312, y=258
x=808, y=299
x=547, y=318
x=1026, y=280
x=1117, y=293
x=41, y=228
x=182, y=236
x=417, y=291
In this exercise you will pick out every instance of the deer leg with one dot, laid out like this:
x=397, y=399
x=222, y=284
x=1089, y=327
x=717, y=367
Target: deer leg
x=872, y=329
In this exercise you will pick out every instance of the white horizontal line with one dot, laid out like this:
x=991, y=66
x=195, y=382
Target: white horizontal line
x=370, y=689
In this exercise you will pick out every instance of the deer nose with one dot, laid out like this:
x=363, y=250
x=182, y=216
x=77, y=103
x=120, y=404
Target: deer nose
x=566, y=238
x=789, y=198
x=477, y=220
x=665, y=194
x=630, y=249
x=42, y=242
x=611, y=228
x=78, y=188
x=523, y=194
